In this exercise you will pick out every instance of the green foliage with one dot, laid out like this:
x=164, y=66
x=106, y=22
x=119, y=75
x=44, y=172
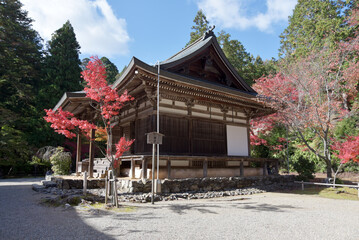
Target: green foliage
x=120, y=73
x=200, y=27
x=20, y=71
x=62, y=67
x=304, y=167
x=347, y=127
x=314, y=24
x=269, y=150
x=61, y=162
x=40, y=162
x=111, y=70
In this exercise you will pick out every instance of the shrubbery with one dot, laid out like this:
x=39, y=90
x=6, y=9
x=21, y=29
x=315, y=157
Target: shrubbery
x=61, y=162
x=304, y=167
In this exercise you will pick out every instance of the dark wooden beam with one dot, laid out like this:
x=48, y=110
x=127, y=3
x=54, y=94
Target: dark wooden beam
x=78, y=154
x=91, y=153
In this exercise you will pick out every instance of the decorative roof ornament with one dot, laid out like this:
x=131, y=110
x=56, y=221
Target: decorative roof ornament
x=209, y=32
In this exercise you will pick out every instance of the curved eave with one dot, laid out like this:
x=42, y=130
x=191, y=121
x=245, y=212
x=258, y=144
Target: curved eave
x=67, y=97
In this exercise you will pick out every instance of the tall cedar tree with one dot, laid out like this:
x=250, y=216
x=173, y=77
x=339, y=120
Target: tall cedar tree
x=63, y=71
x=314, y=24
x=200, y=27
x=111, y=70
x=247, y=66
x=20, y=59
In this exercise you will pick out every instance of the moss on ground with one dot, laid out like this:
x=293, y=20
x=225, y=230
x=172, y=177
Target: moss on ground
x=344, y=193
x=103, y=206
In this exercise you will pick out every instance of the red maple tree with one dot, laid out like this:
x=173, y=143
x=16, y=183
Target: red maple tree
x=311, y=94
x=105, y=100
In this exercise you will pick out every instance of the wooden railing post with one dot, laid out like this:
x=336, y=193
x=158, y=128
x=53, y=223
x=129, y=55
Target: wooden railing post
x=205, y=168
x=169, y=169
x=241, y=170
x=133, y=168
x=276, y=167
x=265, y=171
x=144, y=168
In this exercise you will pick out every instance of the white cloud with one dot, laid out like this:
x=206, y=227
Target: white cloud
x=234, y=13
x=97, y=29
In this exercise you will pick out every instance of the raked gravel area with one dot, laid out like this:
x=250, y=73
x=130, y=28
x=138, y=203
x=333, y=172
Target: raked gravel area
x=259, y=216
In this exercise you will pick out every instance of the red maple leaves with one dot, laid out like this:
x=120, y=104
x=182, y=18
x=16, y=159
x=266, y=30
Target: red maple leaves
x=106, y=100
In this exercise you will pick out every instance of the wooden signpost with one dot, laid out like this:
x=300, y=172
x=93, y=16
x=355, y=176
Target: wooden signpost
x=154, y=138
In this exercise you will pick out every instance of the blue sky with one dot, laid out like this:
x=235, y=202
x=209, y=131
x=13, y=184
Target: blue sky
x=154, y=30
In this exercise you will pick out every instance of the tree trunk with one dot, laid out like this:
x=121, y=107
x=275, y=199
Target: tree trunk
x=329, y=170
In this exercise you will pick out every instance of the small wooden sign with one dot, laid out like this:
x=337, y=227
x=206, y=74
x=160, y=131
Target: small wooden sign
x=154, y=138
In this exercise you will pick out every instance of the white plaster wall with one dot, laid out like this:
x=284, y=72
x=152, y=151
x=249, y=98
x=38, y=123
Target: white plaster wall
x=180, y=104
x=166, y=101
x=196, y=114
x=170, y=110
x=237, y=141
x=200, y=107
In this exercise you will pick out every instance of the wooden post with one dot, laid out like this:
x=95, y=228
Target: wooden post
x=144, y=169
x=106, y=189
x=205, y=168
x=85, y=183
x=78, y=154
x=153, y=174
x=265, y=171
x=169, y=169
x=132, y=168
x=91, y=153
x=241, y=172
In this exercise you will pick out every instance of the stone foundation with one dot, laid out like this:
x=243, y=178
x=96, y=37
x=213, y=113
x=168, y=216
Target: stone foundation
x=183, y=185
x=206, y=184
x=63, y=183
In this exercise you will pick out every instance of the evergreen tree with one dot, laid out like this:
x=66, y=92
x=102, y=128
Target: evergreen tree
x=63, y=71
x=20, y=59
x=314, y=24
x=247, y=66
x=84, y=63
x=200, y=27
x=111, y=70
x=122, y=71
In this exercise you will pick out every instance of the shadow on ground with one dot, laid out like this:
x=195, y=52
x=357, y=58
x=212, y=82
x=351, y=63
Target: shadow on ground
x=23, y=217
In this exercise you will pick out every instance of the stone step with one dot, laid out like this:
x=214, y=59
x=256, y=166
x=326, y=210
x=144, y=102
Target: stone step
x=48, y=184
x=38, y=187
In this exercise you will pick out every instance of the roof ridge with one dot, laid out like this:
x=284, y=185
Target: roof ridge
x=204, y=36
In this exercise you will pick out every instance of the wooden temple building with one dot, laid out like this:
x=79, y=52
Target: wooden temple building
x=205, y=108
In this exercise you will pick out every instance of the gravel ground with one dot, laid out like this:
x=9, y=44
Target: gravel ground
x=260, y=216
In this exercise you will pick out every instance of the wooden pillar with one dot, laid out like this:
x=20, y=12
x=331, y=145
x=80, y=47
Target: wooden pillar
x=78, y=154
x=91, y=153
x=265, y=171
x=144, y=169
x=241, y=172
x=205, y=168
x=132, y=168
x=168, y=169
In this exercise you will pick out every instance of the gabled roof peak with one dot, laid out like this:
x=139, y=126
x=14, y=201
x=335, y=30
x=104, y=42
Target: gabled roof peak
x=196, y=50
